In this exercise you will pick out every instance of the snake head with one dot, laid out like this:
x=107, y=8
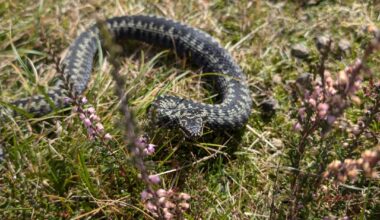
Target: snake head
x=191, y=124
x=172, y=111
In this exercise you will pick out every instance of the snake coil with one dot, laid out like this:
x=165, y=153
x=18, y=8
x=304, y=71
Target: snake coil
x=232, y=112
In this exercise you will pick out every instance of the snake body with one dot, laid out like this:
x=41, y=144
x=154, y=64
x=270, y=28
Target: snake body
x=230, y=113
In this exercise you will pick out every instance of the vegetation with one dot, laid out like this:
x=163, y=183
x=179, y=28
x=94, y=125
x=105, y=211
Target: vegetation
x=302, y=155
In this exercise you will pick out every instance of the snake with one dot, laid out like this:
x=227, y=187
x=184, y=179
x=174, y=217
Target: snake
x=230, y=111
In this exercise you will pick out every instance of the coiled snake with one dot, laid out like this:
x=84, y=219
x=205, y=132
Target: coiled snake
x=230, y=113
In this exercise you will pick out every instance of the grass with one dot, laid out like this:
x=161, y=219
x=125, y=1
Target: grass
x=52, y=170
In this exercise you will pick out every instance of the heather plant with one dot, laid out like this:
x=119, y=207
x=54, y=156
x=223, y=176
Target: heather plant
x=90, y=119
x=349, y=168
x=161, y=203
x=323, y=98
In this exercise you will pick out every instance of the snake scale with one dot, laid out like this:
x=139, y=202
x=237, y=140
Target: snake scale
x=231, y=112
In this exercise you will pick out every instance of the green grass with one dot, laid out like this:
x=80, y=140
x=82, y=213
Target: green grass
x=53, y=171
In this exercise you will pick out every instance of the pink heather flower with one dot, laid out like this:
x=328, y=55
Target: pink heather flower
x=150, y=206
x=162, y=200
x=142, y=140
x=75, y=109
x=161, y=192
x=322, y=109
x=90, y=131
x=312, y=102
x=322, y=114
x=302, y=113
x=297, y=127
x=323, y=106
x=332, y=90
x=150, y=149
x=99, y=127
x=107, y=136
x=169, y=204
x=184, y=205
x=82, y=116
x=184, y=196
x=317, y=90
x=146, y=152
x=312, y=119
x=170, y=192
x=165, y=210
x=90, y=110
x=168, y=215
x=84, y=100
x=87, y=122
x=145, y=195
x=94, y=117
x=154, y=179
x=67, y=100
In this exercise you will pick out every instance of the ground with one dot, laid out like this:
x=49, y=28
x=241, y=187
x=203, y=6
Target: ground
x=52, y=170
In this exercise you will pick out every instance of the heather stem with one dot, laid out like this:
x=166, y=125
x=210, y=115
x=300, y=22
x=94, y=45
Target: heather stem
x=130, y=128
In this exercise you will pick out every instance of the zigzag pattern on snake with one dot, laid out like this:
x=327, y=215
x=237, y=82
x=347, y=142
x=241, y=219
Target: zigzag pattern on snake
x=230, y=113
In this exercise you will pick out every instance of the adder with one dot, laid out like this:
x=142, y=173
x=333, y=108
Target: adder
x=231, y=112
